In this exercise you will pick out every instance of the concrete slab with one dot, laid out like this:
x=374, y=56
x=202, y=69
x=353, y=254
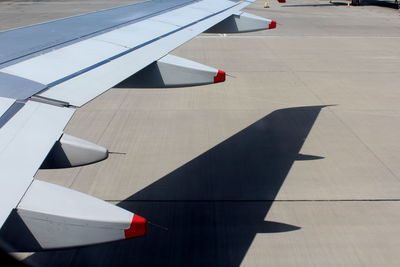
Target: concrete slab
x=292, y=162
x=355, y=237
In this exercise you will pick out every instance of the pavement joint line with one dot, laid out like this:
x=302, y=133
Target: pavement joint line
x=295, y=37
x=258, y=200
x=322, y=71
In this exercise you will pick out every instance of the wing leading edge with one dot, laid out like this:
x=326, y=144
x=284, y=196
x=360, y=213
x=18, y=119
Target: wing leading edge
x=46, y=76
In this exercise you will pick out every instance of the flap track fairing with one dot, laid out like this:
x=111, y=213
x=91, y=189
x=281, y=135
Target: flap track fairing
x=242, y=22
x=173, y=71
x=71, y=151
x=58, y=217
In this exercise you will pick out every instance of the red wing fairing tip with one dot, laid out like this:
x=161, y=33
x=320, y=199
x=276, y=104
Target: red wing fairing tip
x=138, y=227
x=220, y=77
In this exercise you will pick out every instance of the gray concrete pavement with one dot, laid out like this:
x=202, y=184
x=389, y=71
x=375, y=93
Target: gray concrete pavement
x=294, y=162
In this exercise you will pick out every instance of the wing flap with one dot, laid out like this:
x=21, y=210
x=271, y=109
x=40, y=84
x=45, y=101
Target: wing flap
x=182, y=16
x=63, y=62
x=25, y=141
x=5, y=104
x=136, y=34
x=216, y=5
x=15, y=87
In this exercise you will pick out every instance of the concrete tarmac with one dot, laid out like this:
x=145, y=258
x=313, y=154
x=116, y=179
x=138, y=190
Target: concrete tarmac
x=293, y=161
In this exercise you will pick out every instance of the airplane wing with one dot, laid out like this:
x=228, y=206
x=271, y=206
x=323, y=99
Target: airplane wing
x=49, y=70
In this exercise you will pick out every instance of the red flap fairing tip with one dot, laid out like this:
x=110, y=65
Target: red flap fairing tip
x=220, y=77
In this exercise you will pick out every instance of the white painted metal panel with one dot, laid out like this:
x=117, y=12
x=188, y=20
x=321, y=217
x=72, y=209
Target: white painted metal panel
x=137, y=33
x=98, y=80
x=24, y=143
x=212, y=5
x=182, y=16
x=5, y=103
x=60, y=63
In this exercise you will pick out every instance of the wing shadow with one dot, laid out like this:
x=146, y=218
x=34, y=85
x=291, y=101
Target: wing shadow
x=214, y=205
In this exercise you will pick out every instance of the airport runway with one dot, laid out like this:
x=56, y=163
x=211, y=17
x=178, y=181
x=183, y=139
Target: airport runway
x=294, y=161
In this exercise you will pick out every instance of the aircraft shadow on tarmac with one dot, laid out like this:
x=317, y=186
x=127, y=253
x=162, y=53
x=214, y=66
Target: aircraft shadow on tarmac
x=213, y=206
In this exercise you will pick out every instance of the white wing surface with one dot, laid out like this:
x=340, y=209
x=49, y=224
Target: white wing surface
x=50, y=69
